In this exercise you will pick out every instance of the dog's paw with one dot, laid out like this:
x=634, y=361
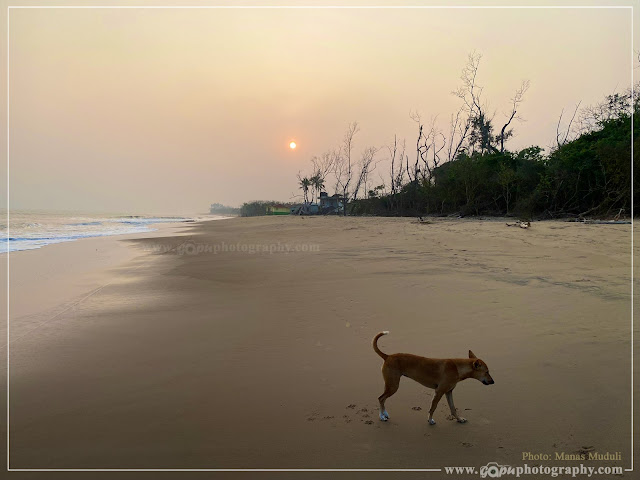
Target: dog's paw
x=384, y=416
x=462, y=420
x=432, y=421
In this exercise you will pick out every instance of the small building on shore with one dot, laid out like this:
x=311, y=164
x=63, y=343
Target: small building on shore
x=326, y=206
x=305, y=209
x=330, y=204
x=278, y=210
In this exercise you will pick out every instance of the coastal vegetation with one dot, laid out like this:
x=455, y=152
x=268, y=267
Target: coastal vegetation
x=258, y=208
x=219, y=209
x=469, y=169
x=589, y=174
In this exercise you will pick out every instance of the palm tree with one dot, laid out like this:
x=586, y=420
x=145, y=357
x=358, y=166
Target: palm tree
x=305, y=183
x=318, y=183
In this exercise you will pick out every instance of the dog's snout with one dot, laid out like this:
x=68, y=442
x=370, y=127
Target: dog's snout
x=488, y=382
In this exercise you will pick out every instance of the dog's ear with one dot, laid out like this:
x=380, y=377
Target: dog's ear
x=471, y=354
x=476, y=364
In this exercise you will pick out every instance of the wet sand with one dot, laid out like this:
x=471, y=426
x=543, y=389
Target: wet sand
x=247, y=344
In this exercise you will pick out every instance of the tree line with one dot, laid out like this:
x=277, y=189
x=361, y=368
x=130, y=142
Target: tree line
x=256, y=208
x=468, y=169
x=586, y=173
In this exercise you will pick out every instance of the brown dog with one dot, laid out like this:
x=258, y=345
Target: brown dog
x=441, y=374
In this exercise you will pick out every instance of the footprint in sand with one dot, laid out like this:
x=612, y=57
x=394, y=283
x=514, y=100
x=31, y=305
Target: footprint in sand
x=368, y=422
x=467, y=444
x=586, y=449
x=328, y=417
x=417, y=409
x=352, y=405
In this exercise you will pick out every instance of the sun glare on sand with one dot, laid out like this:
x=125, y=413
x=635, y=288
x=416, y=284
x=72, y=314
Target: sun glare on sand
x=292, y=145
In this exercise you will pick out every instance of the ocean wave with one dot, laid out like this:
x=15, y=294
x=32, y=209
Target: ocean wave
x=14, y=244
x=147, y=221
x=31, y=233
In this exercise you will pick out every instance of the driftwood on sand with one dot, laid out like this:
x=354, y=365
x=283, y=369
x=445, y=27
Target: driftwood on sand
x=607, y=222
x=520, y=224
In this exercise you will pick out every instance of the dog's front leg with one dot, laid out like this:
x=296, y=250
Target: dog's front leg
x=436, y=398
x=454, y=411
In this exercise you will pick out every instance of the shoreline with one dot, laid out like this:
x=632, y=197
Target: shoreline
x=63, y=273
x=32, y=230
x=455, y=216
x=233, y=359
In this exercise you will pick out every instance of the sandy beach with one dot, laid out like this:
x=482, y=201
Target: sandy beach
x=246, y=343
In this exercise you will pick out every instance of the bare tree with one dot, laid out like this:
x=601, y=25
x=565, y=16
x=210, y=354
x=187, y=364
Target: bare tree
x=614, y=106
x=429, y=146
x=516, y=100
x=371, y=167
x=470, y=93
x=459, y=128
x=412, y=173
x=393, y=152
x=562, y=138
x=481, y=128
x=383, y=185
x=480, y=131
x=343, y=167
x=323, y=165
x=366, y=166
x=396, y=170
x=435, y=142
x=396, y=173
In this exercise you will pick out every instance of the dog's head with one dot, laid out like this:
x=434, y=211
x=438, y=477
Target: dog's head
x=480, y=370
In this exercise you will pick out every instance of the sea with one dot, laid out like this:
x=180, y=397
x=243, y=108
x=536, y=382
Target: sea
x=29, y=230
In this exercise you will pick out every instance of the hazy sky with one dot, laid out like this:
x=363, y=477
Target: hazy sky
x=167, y=111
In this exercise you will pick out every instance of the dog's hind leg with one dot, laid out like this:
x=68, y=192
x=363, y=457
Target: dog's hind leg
x=452, y=407
x=391, y=385
x=436, y=398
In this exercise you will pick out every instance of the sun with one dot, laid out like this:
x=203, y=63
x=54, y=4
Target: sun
x=292, y=145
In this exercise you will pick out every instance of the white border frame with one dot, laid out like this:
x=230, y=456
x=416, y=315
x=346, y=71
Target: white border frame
x=298, y=7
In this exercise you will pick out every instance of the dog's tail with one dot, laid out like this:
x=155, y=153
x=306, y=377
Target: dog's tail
x=375, y=345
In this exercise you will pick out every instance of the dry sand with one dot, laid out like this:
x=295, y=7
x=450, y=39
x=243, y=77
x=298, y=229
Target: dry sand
x=190, y=355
